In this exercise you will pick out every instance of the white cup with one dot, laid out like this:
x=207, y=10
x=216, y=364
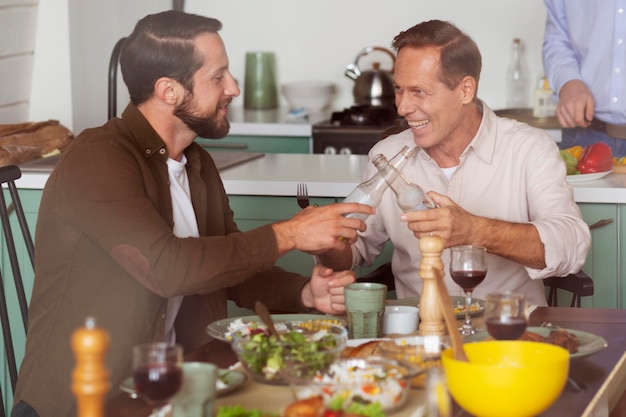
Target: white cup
x=400, y=319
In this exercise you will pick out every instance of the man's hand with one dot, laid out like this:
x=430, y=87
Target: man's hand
x=325, y=290
x=458, y=227
x=576, y=105
x=449, y=221
x=317, y=229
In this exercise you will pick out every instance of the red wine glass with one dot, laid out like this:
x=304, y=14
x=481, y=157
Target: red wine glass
x=468, y=268
x=157, y=373
x=505, y=315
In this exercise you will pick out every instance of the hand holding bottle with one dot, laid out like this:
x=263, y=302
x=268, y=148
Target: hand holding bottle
x=371, y=191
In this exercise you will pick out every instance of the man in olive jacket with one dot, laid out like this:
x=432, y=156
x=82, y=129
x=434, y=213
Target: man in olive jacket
x=136, y=231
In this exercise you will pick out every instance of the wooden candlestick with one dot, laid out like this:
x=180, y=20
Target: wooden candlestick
x=431, y=314
x=90, y=377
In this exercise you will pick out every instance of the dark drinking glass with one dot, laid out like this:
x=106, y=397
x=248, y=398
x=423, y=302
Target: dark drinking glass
x=468, y=268
x=505, y=315
x=157, y=373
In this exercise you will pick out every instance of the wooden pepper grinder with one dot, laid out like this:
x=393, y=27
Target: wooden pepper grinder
x=90, y=377
x=431, y=314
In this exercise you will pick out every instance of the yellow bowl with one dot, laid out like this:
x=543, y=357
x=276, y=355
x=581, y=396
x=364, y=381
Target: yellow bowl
x=507, y=378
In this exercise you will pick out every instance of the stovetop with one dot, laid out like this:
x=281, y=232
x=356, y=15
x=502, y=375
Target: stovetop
x=365, y=116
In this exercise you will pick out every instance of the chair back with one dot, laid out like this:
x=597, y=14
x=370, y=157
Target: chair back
x=8, y=175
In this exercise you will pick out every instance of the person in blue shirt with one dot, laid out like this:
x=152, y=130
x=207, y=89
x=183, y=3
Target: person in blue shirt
x=584, y=57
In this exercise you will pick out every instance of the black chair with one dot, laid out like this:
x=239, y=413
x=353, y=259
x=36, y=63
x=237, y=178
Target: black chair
x=8, y=175
x=579, y=284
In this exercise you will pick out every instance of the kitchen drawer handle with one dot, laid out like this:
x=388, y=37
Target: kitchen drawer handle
x=600, y=223
x=225, y=145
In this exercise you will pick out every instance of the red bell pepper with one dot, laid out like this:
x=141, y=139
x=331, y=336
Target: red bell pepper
x=595, y=158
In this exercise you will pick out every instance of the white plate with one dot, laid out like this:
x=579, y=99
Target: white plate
x=588, y=343
x=232, y=380
x=572, y=179
x=457, y=302
x=219, y=329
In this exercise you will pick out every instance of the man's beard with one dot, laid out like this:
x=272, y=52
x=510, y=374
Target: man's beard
x=205, y=126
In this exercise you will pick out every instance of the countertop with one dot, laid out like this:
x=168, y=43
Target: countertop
x=274, y=122
x=335, y=176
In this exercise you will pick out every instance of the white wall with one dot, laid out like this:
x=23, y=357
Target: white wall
x=18, y=20
x=316, y=40
x=312, y=40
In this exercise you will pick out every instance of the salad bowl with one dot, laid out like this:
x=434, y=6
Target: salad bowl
x=263, y=356
x=375, y=380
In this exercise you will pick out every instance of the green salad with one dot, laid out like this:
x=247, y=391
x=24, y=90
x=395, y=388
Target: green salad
x=266, y=354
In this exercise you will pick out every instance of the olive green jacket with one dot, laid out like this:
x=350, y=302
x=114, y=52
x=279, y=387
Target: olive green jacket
x=105, y=248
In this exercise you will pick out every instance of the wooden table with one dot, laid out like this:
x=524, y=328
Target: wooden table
x=603, y=374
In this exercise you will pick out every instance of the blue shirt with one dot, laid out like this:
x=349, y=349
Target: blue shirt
x=586, y=40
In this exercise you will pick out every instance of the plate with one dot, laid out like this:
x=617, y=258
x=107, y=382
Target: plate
x=219, y=329
x=588, y=343
x=232, y=380
x=458, y=302
x=572, y=179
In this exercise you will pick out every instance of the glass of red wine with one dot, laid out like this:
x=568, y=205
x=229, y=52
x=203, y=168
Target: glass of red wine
x=468, y=268
x=157, y=373
x=505, y=315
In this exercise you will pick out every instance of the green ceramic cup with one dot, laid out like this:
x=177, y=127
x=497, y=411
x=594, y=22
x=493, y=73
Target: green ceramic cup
x=197, y=393
x=365, y=304
x=260, y=90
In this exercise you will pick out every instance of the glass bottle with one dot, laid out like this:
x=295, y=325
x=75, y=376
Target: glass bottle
x=410, y=196
x=371, y=191
x=517, y=88
x=438, y=403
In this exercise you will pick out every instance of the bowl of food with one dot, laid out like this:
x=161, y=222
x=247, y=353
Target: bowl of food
x=310, y=95
x=420, y=352
x=507, y=378
x=263, y=355
x=371, y=381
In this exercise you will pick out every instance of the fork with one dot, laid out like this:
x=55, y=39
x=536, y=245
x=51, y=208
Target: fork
x=302, y=195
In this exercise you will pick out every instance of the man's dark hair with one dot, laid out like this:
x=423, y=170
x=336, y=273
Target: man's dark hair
x=459, y=54
x=162, y=45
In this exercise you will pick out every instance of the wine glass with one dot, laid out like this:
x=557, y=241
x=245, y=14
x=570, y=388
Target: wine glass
x=505, y=315
x=157, y=373
x=468, y=268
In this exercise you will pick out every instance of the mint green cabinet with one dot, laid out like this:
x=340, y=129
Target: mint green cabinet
x=603, y=260
x=266, y=144
x=30, y=201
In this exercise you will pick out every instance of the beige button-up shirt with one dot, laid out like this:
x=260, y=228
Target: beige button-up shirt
x=510, y=171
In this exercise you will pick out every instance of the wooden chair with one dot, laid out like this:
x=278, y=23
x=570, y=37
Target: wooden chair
x=579, y=284
x=8, y=175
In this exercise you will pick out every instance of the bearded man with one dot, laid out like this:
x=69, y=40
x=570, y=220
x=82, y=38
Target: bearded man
x=135, y=228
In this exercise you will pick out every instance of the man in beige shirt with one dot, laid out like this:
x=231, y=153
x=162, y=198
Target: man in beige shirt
x=498, y=183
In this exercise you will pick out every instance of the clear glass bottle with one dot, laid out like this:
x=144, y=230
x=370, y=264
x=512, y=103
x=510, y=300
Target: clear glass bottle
x=371, y=191
x=410, y=196
x=438, y=403
x=517, y=87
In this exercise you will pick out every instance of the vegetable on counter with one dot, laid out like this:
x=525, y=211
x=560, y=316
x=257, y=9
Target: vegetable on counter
x=596, y=157
x=570, y=162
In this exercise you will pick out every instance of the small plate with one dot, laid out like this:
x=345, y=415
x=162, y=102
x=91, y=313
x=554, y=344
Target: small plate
x=219, y=329
x=572, y=179
x=588, y=343
x=232, y=381
x=457, y=302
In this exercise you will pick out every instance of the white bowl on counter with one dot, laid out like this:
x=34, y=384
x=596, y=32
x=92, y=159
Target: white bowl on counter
x=310, y=95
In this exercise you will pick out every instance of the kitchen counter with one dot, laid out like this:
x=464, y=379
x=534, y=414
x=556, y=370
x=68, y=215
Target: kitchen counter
x=335, y=176
x=273, y=122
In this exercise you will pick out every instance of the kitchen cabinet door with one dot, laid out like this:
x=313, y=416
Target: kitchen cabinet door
x=30, y=201
x=266, y=144
x=603, y=260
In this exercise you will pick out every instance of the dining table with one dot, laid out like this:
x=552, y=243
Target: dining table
x=596, y=386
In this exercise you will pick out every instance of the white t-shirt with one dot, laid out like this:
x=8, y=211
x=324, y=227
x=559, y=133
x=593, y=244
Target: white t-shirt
x=185, y=225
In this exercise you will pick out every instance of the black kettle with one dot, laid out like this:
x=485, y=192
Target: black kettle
x=373, y=87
